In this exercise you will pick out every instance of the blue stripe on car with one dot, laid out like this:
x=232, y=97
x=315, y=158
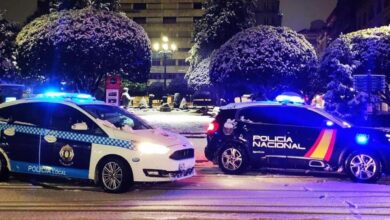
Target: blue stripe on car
x=33, y=168
x=69, y=135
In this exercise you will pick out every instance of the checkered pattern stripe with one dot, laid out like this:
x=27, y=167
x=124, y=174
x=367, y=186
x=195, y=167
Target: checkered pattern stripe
x=69, y=135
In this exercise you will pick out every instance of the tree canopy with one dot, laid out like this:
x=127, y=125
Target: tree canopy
x=79, y=47
x=264, y=60
x=8, y=32
x=222, y=19
x=354, y=53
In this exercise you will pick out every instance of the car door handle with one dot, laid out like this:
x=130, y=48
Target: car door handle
x=50, y=138
x=9, y=131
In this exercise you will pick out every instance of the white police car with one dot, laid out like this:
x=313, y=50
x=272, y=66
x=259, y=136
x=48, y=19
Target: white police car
x=75, y=136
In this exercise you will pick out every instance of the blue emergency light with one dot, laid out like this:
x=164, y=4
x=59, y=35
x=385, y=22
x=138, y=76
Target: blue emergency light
x=290, y=99
x=361, y=139
x=64, y=95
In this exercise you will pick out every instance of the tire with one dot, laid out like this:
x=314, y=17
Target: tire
x=363, y=167
x=4, y=172
x=115, y=175
x=233, y=159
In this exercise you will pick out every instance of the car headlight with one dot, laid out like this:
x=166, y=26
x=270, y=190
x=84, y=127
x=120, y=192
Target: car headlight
x=149, y=148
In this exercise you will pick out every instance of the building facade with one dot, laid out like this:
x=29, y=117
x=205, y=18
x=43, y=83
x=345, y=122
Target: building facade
x=267, y=12
x=175, y=19
x=353, y=15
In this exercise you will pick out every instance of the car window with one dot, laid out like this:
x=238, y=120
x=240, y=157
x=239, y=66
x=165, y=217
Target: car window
x=116, y=116
x=62, y=117
x=24, y=114
x=286, y=115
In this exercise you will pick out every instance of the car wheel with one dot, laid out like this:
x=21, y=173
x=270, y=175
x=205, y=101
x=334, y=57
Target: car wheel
x=363, y=167
x=115, y=175
x=233, y=159
x=4, y=172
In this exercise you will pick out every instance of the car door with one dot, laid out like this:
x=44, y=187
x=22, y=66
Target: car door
x=308, y=139
x=259, y=129
x=21, y=126
x=67, y=142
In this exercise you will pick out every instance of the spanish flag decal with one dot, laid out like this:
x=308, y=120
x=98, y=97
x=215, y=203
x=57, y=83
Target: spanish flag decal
x=323, y=147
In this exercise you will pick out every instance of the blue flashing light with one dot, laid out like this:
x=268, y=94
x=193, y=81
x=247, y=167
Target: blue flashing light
x=77, y=97
x=329, y=123
x=290, y=99
x=361, y=139
x=84, y=96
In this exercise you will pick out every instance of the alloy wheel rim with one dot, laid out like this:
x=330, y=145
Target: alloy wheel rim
x=363, y=166
x=112, y=175
x=232, y=159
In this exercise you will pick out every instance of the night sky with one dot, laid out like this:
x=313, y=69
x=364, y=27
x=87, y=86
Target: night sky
x=297, y=14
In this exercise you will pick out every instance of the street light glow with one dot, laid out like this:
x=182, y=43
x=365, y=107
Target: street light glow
x=173, y=47
x=165, y=39
x=165, y=46
x=156, y=46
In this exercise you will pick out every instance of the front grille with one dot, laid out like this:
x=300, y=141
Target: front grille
x=182, y=154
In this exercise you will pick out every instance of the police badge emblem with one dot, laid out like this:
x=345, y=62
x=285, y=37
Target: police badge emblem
x=66, y=155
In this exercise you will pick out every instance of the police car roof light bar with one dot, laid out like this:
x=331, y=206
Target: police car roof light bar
x=64, y=95
x=289, y=99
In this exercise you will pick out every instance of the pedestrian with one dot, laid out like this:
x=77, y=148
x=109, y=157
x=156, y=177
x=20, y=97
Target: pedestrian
x=126, y=98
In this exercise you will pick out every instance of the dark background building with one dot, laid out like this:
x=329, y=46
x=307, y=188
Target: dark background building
x=353, y=15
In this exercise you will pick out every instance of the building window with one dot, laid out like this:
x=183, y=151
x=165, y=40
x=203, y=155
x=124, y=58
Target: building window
x=170, y=62
x=197, y=5
x=156, y=62
x=169, y=20
x=139, y=6
x=182, y=62
x=184, y=34
x=126, y=7
x=184, y=5
x=140, y=20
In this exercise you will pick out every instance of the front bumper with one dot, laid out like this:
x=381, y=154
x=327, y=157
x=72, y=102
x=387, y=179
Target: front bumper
x=171, y=175
x=163, y=168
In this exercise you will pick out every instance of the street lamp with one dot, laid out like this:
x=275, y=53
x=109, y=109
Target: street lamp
x=164, y=48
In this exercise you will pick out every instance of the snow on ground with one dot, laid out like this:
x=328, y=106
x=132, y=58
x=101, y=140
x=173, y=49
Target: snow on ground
x=178, y=121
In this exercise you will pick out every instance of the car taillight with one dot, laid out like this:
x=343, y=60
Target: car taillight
x=213, y=127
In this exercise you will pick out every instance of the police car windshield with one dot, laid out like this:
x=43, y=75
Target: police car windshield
x=116, y=116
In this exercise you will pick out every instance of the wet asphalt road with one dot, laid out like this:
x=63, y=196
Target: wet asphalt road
x=208, y=195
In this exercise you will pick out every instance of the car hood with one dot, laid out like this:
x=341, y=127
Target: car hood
x=155, y=136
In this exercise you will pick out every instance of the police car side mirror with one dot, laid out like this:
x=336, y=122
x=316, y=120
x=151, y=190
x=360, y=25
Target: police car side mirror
x=80, y=126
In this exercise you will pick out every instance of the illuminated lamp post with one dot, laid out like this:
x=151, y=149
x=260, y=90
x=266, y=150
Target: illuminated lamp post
x=164, y=48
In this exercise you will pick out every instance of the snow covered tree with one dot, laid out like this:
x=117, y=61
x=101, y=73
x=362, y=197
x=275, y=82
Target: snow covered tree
x=79, y=47
x=264, y=60
x=198, y=77
x=350, y=54
x=8, y=68
x=47, y=6
x=222, y=19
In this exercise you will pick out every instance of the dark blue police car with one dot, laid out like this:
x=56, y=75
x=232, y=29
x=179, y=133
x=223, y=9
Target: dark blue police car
x=285, y=135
